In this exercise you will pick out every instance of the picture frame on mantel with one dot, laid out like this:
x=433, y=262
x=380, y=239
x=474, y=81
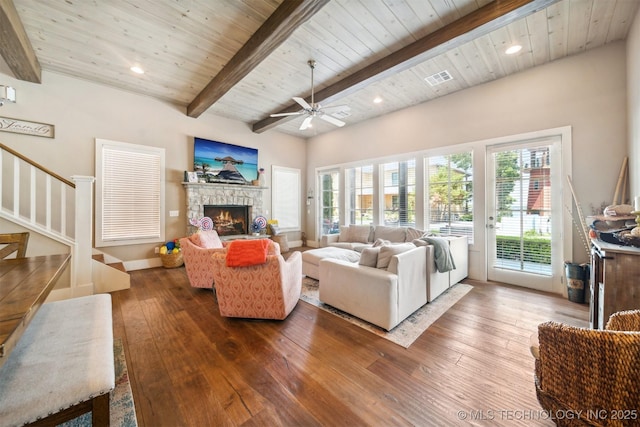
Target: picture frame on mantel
x=219, y=162
x=190, y=176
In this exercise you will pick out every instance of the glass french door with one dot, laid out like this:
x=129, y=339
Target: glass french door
x=524, y=213
x=329, y=197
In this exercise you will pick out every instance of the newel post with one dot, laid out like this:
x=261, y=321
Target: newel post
x=81, y=259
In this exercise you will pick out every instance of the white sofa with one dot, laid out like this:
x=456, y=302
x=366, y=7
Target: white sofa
x=382, y=296
x=359, y=237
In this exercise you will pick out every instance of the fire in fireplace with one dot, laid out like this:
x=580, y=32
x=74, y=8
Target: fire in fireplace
x=228, y=220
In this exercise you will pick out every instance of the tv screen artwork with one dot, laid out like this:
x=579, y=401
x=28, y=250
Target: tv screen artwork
x=216, y=161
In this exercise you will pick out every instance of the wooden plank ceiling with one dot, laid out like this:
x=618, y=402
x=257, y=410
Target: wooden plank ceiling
x=247, y=59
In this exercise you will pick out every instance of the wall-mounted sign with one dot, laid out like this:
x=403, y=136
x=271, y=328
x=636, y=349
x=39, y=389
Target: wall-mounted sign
x=8, y=124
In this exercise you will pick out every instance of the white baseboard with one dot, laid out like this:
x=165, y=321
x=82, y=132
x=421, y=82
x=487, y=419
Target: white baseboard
x=142, y=264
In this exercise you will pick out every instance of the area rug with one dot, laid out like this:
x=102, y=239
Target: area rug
x=409, y=329
x=121, y=407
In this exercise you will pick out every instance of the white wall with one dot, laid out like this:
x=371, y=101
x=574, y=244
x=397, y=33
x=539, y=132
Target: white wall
x=633, y=102
x=82, y=111
x=586, y=92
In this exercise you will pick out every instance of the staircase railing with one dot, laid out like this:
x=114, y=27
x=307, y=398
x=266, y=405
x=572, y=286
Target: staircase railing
x=42, y=201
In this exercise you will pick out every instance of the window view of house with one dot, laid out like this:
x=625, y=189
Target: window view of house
x=399, y=193
x=523, y=206
x=359, y=190
x=449, y=194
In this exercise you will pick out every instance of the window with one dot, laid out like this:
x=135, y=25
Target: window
x=329, y=202
x=359, y=191
x=449, y=204
x=399, y=193
x=285, y=202
x=129, y=193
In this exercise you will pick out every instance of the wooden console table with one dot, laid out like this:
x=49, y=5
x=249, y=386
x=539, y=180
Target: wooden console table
x=614, y=284
x=25, y=284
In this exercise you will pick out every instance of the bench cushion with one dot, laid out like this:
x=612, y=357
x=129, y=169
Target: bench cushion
x=63, y=358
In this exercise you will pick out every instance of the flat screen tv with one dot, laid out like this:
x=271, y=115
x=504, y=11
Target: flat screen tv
x=216, y=161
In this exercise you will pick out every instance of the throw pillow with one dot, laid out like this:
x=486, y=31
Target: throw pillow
x=381, y=242
x=386, y=252
x=413, y=233
x=359, y=233
x=344, y=234
x=275, y=230
x=369, y=257
x=206, y=239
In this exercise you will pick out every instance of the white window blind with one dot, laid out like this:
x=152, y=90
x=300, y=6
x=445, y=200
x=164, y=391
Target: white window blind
x=129, y=194
x=286, y=205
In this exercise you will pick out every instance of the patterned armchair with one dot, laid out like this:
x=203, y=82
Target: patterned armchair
x=595, y=373
x=197, y=250
x=264, y=291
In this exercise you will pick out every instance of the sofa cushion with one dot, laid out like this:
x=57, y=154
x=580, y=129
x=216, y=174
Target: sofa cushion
x=359, y=233
x=386, y=252
x=208, y=239
x=369, y=257
x=393, y=234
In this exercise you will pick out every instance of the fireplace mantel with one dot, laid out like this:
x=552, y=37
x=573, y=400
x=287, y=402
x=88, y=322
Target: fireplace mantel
x=201, y=194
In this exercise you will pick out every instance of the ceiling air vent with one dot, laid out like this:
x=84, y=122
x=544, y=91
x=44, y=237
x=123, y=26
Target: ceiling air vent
x=439, y=78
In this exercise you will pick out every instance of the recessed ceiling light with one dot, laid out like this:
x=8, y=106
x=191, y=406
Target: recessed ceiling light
x=137, y=69
x=377, y=100
x=513, y=49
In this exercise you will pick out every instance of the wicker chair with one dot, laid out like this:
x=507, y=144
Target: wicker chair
x=593, y=371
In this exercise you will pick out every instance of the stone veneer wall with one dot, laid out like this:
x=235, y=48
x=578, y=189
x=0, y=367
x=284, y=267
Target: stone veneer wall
x=199, y=195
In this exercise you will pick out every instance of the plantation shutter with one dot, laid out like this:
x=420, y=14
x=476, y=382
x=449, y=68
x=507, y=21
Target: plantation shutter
x=286, y=206
x=130, y=194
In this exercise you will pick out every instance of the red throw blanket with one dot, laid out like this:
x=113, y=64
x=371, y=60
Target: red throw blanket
x=243, y=253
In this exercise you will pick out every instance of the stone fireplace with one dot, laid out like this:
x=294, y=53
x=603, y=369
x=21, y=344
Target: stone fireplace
x=244, y=200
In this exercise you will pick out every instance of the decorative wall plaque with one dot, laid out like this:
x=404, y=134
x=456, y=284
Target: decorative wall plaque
x=8, y=124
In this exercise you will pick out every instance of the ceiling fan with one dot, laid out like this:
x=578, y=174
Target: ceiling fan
x=314, y=110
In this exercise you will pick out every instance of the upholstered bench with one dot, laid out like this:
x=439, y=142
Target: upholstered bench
x=63, y=365
x=311, y=259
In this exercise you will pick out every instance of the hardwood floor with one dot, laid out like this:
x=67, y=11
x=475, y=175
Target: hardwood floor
x=191, y=367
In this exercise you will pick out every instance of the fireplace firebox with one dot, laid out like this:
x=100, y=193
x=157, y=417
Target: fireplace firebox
x=229, y=220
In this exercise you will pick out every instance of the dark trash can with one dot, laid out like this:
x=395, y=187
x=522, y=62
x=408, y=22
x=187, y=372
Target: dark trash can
x=577, y=276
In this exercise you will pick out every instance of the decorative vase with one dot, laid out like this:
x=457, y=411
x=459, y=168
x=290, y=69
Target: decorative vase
x=262, y=179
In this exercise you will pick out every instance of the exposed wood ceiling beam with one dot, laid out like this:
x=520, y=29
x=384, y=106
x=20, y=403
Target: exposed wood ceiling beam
x=482, y=21
x=275, y=30
x=15, y=46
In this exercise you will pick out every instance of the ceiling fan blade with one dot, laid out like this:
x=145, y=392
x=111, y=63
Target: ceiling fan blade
x=336, y=108
x=306, y=123
x=297, y=113
x=332, y=120
x=302, y=102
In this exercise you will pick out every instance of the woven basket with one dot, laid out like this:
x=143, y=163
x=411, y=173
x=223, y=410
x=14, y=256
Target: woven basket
x=172, y=260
